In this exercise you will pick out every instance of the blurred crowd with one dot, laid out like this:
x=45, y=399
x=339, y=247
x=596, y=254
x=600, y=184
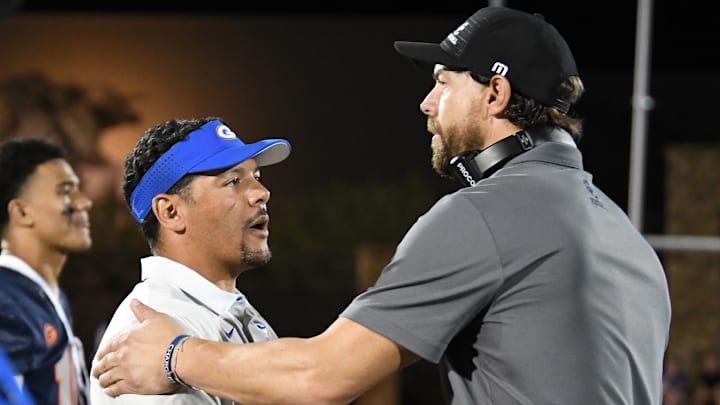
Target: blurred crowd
x=681, y=387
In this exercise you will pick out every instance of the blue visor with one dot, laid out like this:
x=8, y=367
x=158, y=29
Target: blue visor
x=210, y=147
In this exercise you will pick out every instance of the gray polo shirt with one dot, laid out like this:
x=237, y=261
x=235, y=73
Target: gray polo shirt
x=531, y=287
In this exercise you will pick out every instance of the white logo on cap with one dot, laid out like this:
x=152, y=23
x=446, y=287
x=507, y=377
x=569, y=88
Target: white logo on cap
x=224, y=132
x=500, y=68
x=453, y=35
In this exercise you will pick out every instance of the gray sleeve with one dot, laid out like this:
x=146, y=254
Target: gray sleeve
x=444, y=272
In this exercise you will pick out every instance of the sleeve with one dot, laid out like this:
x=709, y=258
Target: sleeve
x=445, y=271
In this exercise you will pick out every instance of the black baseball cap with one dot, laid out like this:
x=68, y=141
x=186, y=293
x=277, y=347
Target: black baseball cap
x=523, y=47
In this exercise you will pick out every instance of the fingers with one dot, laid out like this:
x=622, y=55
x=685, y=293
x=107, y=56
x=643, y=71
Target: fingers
x=141, y=311
x=113, y=386
x=102, y=358
x=106, y=372
x=116, y=389
x=99, y=366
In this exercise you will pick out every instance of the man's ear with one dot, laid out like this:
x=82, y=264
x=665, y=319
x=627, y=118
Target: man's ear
x=499, y=96
x=19, y=213
x=166, y=210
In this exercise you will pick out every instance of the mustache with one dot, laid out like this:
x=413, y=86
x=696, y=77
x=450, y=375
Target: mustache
x=260, y=212
x=432, y=126
x=68, y=213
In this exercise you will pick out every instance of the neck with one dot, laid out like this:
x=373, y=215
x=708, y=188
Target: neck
x=46, y=262
x=499, y=130
x=215, y=271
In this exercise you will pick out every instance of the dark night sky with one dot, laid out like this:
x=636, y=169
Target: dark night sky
x=601, y=34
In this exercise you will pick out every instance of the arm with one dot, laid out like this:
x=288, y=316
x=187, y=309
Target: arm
x=334, y=367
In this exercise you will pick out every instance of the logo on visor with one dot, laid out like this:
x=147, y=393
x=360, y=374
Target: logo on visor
x=224, y=132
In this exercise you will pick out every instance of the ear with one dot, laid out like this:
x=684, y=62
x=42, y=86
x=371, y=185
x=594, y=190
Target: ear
x=166, y=208
x=18, y=213
x=499, y=95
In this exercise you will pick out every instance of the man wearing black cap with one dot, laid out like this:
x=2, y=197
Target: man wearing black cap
x=194, y=188
x=527, y=286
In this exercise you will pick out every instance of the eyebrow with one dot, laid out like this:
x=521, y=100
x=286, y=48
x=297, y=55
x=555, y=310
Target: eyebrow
x=68, y=183
x=437, y=70
x=238, y=170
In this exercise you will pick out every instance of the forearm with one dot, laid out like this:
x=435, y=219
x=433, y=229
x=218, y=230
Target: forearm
x=334, y=367
x=283, y=371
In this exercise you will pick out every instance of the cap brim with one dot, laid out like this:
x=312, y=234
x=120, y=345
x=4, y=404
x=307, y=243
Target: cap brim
x=265, y=152
x=273, y=151
x=425, y=53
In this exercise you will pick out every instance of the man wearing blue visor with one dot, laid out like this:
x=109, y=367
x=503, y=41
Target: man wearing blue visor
x=194, y=188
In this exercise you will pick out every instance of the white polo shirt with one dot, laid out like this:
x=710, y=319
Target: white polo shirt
x=204, y=310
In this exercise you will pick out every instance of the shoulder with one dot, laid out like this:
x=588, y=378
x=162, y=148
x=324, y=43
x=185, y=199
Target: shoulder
x=459, y=209
x=15, y=283
x=20, y=297
x=161, y=297
x=469, y=201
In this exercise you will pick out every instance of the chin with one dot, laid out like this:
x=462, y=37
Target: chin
x=80, y=244
x=77, y=248
x=257, y=258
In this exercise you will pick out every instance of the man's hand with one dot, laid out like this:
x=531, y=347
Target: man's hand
x=132, y=363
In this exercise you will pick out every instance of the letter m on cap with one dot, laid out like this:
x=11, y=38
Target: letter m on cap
x=500, y=68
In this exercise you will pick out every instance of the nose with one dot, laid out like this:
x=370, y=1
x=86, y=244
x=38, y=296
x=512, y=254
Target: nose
x=429, y=105
x=259, y=194
x=82, y=202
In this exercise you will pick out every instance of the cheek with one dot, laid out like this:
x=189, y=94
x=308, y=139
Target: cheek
x=216, y=202
x=53, y=210
x=234, y=208
x=449, y=109
x=227, y=212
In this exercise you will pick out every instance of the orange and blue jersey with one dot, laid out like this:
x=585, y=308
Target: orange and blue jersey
x=37, y=343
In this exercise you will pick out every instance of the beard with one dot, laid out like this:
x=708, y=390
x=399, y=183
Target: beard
x=256, y=258
x=449, y=142
x=440, y=157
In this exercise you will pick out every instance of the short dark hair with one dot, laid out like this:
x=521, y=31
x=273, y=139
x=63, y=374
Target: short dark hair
x=152, y=145
x=19, y=158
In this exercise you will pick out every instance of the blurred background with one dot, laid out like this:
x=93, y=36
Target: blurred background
x=95, y=76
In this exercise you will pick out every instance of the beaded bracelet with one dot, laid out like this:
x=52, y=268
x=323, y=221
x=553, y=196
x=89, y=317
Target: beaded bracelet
x=169, y=373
